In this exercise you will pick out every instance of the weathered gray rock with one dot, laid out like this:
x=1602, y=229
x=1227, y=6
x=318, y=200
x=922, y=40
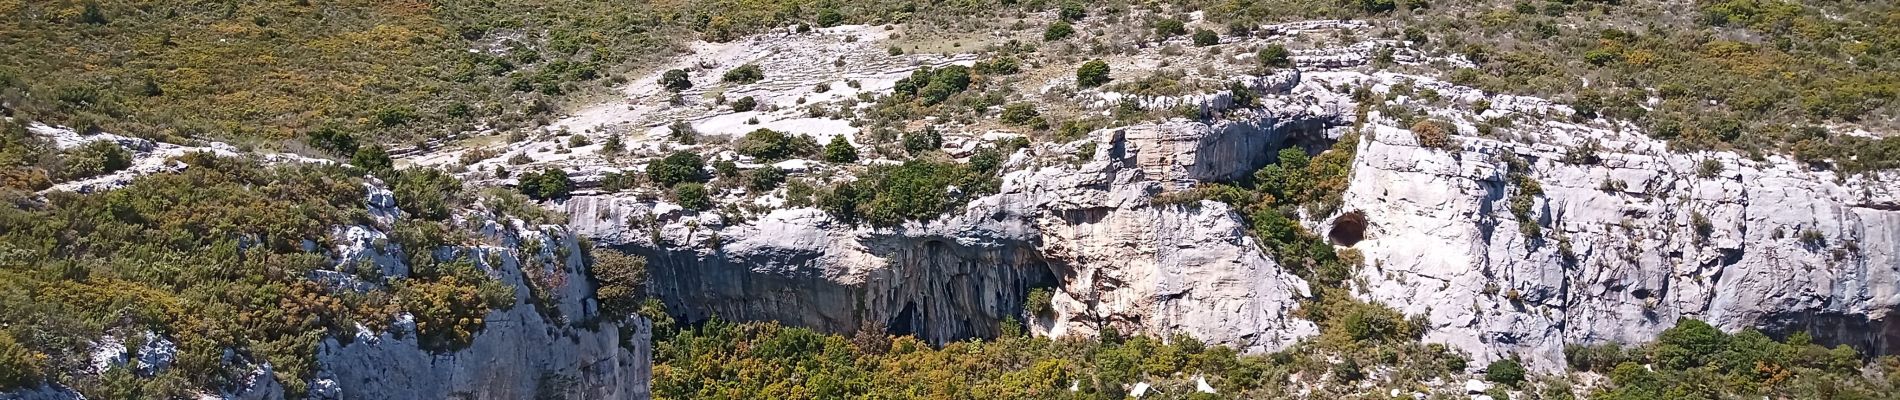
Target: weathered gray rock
x=562, y=349
x=1628, y=245
x=1091, y=231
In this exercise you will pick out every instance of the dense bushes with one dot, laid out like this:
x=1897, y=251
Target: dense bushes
x=840, y=150
x=551, y=183
x=675, y=168
x=765, y=360
x=918, y=189
x=1057, y=31
x=93, y=159
x=217, y=251
x=931, y=86
x=675, y=80
x=19, y=366
x=1696, y=360
x=744, y=74
x=770, y=145
x=620, y=280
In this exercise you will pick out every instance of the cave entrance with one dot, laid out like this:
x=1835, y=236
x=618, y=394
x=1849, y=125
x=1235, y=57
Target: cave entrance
x=1308, y=135
x=1348, y=229
x=907, y=322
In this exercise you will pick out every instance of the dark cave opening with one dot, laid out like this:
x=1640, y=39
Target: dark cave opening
x=1348, y=229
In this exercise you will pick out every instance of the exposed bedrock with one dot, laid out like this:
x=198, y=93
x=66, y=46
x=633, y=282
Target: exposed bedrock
x=1088, y=230
x=1625, y=246
x=556, y=347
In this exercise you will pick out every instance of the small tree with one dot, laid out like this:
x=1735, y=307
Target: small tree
x=1057, y=31
x=1072, y=11
x=1276, y=56
x=682, y=132
x=1020, y=113
x=550, y=183
x=622, y=280
x=371, y=158
x=675, y=80
x=612, y=146
x=744, y=74
x=1091, y=74
x=1507, y=371
x=1433, y=133
x=676, y=168
x=840, y=150
x=765, y=179
x=19, y=366
x=692, y=196
x=91, y=14
x=924, y=140
x=744, y=104
x=1204, y=38
x=1170, y=27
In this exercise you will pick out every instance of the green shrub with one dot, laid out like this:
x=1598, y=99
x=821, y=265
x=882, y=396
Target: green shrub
x=999, y=65
x=676, y=168
x=1057, y=31
x=1506, y=371
x=744, y=104
x=1275, y=56
x=1709, y=168
x=765, y=179
x=840, y=150
x=932, y=86
x=769, y=145
x=692, y=196
x=92, y=159
x=1072, y=11
x=924, y=140
x=1204, y=38
x=675, y=80
x=19, y=367
x=829, y=17
x=744, y=75
x=620, y=280
x=551, y=183
x=1091, y=74
x=372, y=158
x=1169, y=27
x=1020, y=113
x=1039, y=302
x=1689, y=344
x=427, y=193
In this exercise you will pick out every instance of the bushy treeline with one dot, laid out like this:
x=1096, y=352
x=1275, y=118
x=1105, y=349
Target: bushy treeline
x=721, y=359
x=1694, y=360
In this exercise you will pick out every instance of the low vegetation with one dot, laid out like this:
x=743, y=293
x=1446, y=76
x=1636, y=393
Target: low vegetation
x=214, y=257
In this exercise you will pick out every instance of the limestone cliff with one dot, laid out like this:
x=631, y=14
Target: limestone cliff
x=1089, y=230
x=552, y=343
x=1628, y=243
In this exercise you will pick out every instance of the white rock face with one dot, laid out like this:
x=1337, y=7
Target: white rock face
x=1782, y=248
x=1091, y=231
